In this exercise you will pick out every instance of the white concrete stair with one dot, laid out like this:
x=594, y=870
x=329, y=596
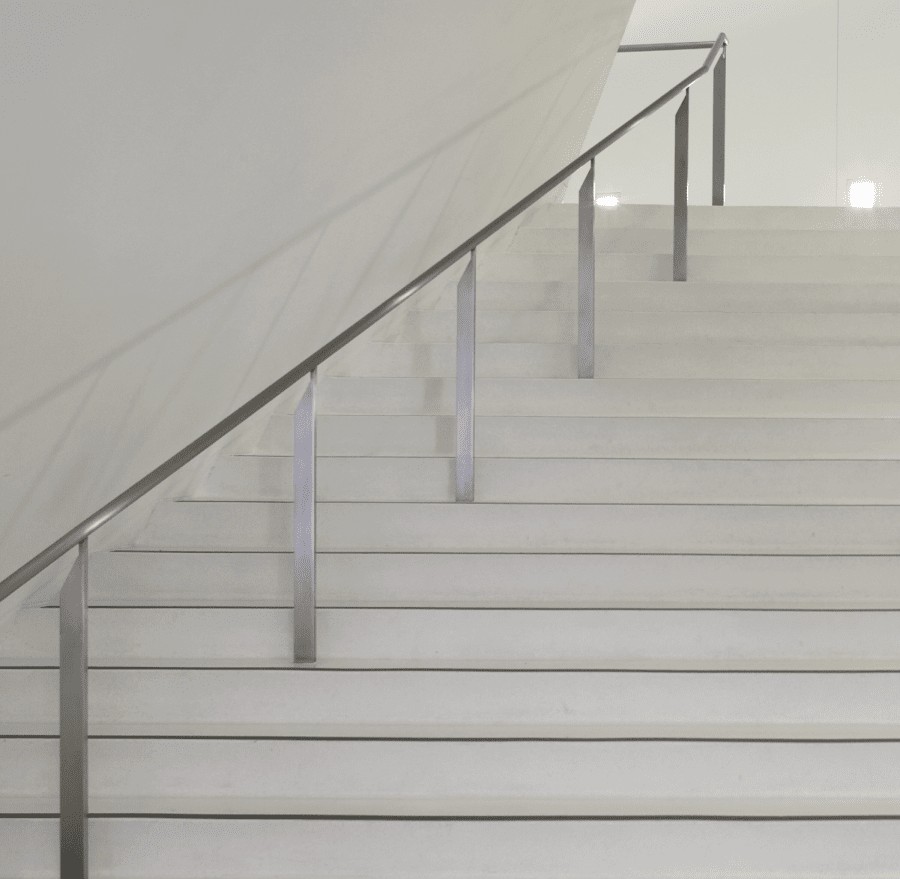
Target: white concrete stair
x=476, y=638
x=643, y=437
x=718, y=242
x=623, y=397
x=654, y=326
x=690, y=360
x=463, y=704
x=527, y=848
x=732, y=295
x=469, y=778
x=565, y=480
x=663, y=641
x=558, y=580
x=746, y=218
x=745, y=529
x=614, y=266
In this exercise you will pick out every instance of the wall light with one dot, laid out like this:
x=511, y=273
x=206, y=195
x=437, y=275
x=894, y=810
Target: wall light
x=861, y=193
x=608, y=199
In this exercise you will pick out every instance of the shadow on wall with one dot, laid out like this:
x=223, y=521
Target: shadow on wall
x=68, y=445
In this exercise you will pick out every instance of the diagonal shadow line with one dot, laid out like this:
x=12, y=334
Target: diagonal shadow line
x=378, y=251
x=208, y=335
x=275, y=320
x=104, y=361
x=566, y=117
x=50, y=458
x=476, y=142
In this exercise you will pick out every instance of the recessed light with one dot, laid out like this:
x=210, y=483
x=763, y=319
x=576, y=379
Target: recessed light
x=861, y=194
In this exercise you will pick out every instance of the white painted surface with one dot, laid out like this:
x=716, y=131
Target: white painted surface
x=196, y=196
x=808, y=83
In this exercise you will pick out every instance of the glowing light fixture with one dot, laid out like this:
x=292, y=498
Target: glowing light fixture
x=861, y=194
x=608, y=200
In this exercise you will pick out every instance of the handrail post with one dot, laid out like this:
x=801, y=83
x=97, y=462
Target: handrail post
x=73, y=720
x=718, y=170
x=305, y=525
x=465, y=384
x=679, y=244
x=586, y=269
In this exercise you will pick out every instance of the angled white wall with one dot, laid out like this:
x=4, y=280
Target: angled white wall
x=197, y=195
x=810, y=86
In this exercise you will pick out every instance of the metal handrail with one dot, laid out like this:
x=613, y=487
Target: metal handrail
x=665, y=47
x=72, y=538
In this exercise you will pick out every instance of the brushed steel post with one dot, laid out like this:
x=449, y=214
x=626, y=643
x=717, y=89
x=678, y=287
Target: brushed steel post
x=679, y=244
x=73, y=720
x=305, y=525
x=465, y=384
x=586, y=268
x=719, y=131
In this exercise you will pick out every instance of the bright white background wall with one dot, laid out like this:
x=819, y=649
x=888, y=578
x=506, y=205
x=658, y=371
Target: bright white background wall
x=811, y=86
x=196, y=195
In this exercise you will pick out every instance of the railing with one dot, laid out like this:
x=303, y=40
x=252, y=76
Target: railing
x=73, y=604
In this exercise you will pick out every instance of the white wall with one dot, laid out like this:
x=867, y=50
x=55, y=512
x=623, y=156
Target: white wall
x=196, y=195
x=811, y=84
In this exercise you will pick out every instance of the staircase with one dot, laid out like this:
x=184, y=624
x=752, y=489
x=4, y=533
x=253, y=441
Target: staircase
x=664, y=641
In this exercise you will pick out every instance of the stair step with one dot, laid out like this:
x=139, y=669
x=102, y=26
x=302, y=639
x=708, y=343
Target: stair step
x=826, y=269
x=593, y=437
x=563, y=480
x=654, y=360
x=694, y=556
x=259, y=579
x=744, y=217
x=462, y=704
x=447, y=778
x=530, y=849
x=719, y=242
x=731, y=295
x=487, y=527
x=476, y=638
x=623, y=327
x=751, y=398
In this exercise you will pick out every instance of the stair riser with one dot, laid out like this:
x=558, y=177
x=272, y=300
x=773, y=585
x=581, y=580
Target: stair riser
x=593, y=778
x=547, y=480
x=614, y=397
x=464, y=704
x=744, y=242
x=618, y=328
x=559, y=437
x=731, y=295
x=334, y=849
x=613, y=639
x=494, y=580
x=708, y=217
x=485, y=527
x=687, y=360
x=712, y=269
